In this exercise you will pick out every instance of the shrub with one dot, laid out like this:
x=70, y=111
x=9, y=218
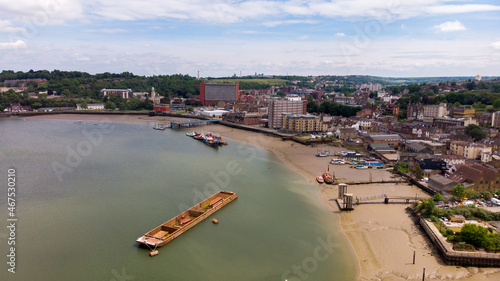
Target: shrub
x=462, y=246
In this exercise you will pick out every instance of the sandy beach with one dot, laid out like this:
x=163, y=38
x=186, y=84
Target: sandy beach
x=383, y=236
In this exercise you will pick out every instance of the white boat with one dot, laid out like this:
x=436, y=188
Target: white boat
x=322, y=154
x=337, y=162
x=192, y=134
x=495, y=201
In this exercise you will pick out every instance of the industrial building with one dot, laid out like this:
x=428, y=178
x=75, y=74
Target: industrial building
x=215, y=92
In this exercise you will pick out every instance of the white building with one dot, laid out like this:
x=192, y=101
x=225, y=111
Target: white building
x=90, y=106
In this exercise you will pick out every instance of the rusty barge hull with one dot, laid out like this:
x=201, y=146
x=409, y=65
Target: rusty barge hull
x=171, y=229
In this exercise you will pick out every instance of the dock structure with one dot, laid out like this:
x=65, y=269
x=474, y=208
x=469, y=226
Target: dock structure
x=344, y=200
x=171, y=229
x=191, y=123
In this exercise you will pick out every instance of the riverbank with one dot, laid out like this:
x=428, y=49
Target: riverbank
x=383, y=237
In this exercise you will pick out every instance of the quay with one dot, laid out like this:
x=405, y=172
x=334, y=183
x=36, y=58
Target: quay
x=171, y=229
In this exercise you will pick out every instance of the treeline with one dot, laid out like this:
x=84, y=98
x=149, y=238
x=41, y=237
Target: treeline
x=81, y=84
x=332, y=108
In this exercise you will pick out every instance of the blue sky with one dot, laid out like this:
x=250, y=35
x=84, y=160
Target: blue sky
x=225, y=37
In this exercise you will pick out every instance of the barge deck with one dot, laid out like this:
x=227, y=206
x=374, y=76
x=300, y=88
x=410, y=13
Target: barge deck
x=168, y=231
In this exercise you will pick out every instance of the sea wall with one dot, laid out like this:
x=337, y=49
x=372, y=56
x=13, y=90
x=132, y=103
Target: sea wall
x=457, y=257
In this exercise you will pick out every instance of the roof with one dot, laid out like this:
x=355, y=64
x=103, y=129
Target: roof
x=441, y=180
x=386, y=137
x=416, y=146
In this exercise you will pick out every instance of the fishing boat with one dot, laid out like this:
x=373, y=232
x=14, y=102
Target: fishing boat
x=320, y=179
x=171, y=229
x=211, y=141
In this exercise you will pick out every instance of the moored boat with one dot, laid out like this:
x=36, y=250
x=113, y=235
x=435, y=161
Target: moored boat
x=192, y=134
x=166, y=232
x=320, y=179
x=211, y=141
x=328, y=178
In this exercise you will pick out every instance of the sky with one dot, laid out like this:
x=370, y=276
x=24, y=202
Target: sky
x=390, y=38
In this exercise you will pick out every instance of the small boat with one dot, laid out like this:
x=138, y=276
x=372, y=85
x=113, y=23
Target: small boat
x=159, y=126
x=95, y=123
x=322, y=154
x=320, y=179
x=200, y=136
x=337, y=162
x=222, y=142
x=192, y=134
x=215, y=221
x=361, y=167
x=211, y=141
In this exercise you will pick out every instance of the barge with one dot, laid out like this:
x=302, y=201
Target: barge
x=168, y=231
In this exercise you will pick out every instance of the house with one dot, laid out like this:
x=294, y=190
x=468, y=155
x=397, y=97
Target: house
x=441, y=184
x=457, y=218
x=346, y=133
x=430, y=162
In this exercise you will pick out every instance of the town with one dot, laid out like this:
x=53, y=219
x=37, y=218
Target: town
x=441, y=134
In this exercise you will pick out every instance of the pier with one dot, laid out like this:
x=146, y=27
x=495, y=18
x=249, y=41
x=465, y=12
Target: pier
x=191, y=123
x=346, y=201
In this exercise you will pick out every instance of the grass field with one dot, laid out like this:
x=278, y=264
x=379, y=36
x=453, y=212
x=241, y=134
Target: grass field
x=270, y=82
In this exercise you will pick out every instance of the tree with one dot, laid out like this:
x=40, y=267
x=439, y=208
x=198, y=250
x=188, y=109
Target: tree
x=110, y=105
x=475, y=132
x=438, y=197
x=84, y=105
x=473, y=234
x=496, y=104
x=418, y=171
x=458, y=191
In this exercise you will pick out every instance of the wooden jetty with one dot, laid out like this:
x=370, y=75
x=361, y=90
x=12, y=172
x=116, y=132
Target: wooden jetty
x=191, y=123
x=168, y=231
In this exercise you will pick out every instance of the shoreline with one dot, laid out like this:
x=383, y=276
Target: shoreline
x=382, y=237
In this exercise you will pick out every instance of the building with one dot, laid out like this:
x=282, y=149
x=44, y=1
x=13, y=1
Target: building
x=462, y=112
x=435, y=110
x=288, y=105
x=124, y=93
x=469, y=150
x=495, y=119
x=415, y=112
x=160, y=108
x=441, y=184
x=445, y=122
x=477, y=177
x=243, y=118
x=346, y=133
x=301, y=123
x=215, y=92
x=16, y=108
x=393, y=140
x=91, y=106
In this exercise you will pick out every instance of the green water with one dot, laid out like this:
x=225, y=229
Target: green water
x=83, y=201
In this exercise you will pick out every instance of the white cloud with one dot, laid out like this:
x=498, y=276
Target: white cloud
x=107, y=30
x=495, y=45
x=5, y=26
x=12, y=45
x=303, y=37
x=83, y=59
x=227, y=11
x=450, y=26
x=282, y=22
x=341, y=34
